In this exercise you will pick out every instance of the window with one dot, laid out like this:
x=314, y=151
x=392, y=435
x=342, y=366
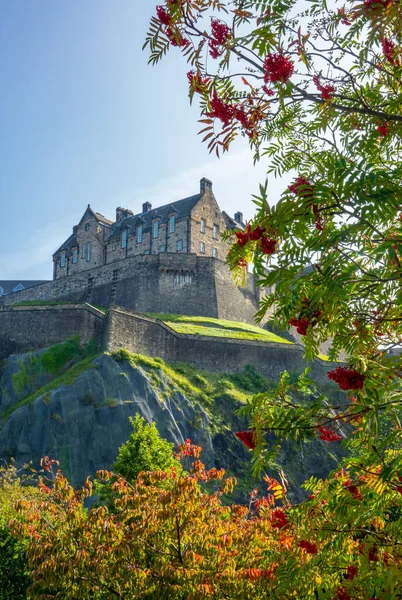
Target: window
x=162, y=248
x=63, y=260
x=89, y=251
x=18, y=288
x=202, y=248
x=215, y=232
x=156, y=229
x=139, y=234
x=83, y=251
x=1, y=291
x=202, y=228
x=124, y=239
x=75, y=255
x=86, y=226
x=147, y=252
x=172, y=223
x=179, y=245
x=214, y=252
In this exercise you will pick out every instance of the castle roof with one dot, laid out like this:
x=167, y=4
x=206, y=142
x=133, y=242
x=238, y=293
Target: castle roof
x=181, y=208
x=68, y=244
x=8, y=286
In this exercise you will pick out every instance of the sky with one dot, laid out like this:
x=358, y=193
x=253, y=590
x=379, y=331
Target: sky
x=85, y=120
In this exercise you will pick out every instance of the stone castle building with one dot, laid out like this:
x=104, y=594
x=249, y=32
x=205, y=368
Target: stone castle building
x=193, y=225
x=169, y=259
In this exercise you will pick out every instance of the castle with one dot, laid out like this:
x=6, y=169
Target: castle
x=189, y=226
x=168, y=259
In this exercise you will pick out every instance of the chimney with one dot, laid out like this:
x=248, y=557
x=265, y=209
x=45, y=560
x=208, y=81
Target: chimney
x=239, y=217
x=146, y=207
x=75, y=229
x=122, y=213
x=205, y=185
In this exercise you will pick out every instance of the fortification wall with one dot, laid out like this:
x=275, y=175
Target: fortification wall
x=168, y=283
x=26, y=328
x=144, y=335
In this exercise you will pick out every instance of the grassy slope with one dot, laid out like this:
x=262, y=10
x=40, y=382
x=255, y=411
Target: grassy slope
x=218, y=328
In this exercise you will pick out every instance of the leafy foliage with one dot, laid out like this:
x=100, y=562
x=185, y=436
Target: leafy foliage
x=318, y=94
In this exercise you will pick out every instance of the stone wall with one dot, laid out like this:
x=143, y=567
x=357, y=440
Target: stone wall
x=32, y=327
x=144, y=335
x=165, y=283
x=26, y=328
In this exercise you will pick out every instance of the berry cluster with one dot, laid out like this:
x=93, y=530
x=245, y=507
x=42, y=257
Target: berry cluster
x=247, y=438
x=353, y=489
x=302, y=187
x=176, y=38
x=308, y=316
x=344, y=17
x=347, y=379
x=268, y=91
x=277, y=68
x=279, y=518
x=221, y=110
x=300, y=324
x=376, y=3
x=196, y=80
x=267, y=245
x=328, y=435
x=163, y=16
x=327, y=91
x=342, y=594
x=352, y=572
x=319, y=221
x=388, y=48
x=383, y=129
x=221, y=33
x=309, y=547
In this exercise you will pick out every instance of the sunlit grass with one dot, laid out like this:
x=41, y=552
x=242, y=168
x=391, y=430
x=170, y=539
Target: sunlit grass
x=222, y=328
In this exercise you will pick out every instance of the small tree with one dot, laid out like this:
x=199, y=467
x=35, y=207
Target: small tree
x=145, y=450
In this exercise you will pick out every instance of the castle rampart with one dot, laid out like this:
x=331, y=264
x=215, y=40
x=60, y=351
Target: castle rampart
x=163, y=283
x=31, y=327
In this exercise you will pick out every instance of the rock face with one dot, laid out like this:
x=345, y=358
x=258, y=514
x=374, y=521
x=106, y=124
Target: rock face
x=84, y=424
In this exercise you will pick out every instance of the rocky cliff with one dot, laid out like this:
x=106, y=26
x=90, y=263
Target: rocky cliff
x=73, y=406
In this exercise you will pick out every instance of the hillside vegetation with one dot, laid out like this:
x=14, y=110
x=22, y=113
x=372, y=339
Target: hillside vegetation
x=210, y=326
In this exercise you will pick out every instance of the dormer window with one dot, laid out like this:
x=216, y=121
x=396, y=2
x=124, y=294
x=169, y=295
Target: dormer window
x=124, y=238
x=139, y=234
x=18, y=288
x=75, y=255
x=86, y=226
x=1, y=291
x=63, y=259
x=156, y=229
x=172, y=223
x=202, y=226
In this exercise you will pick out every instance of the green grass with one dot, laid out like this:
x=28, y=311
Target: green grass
x=199, y=386
x=67, y=378
x=218, y=328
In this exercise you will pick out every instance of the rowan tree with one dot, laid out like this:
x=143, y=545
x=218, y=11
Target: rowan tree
x=317, y=92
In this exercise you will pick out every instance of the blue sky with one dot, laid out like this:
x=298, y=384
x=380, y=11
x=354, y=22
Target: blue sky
x=84, y=119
